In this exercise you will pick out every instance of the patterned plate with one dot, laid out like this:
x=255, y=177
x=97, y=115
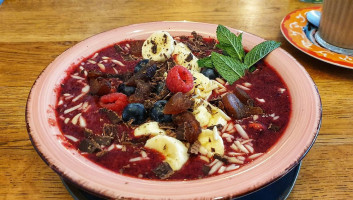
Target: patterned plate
x=299, y=32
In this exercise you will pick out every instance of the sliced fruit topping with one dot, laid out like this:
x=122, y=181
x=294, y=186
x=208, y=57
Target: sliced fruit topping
x=114, y=101
x=240, y=105
x=243, y=96
x=135, y=112
x=149, y=128
x=234, y=107
x=209, y=115
x=211, y=141
x=179, y=79
x=99, y=86
x=175, y=152
x=157, y=112
x=178, y=103
x=158, y=47
x=203, y=86
x=183, y=56
x=188, y=128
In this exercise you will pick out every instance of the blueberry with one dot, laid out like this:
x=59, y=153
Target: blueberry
x=209, y=73
x=157, y=112
x=135, y=112
x=140, y=64
x=128, y=90
x=160, y=86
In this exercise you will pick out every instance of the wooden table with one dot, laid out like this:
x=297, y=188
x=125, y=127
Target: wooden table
x=33, y=33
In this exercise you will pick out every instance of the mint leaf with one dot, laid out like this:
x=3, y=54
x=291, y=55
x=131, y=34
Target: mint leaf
x=229, y=68
x=228, y=50
x=230, y=43
x=260, y=51
x=205, y=62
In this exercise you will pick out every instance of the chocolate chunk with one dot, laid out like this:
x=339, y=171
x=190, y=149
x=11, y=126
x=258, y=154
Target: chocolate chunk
x=94, y=74
x=88, y=133
x=196, y=36
x=170, y=133
x=194, y=148
x=145, y=74
x=219, y=127
x=206, y=169
x=274, y=128
x=165, y=38
x=118, y=48
x=256, y=111
x=142, y=92
x=112, y=116
x=138, y=140
x=219, y=157
x=149, y=103
x=154, y=47
x=189, y=58
x=102, y=140
x=163, y=170
x=89, y=146
x=122, y=136
x=124, y=77
x=130, y=57
x=110, y=130
x=101, y=153
x=136, y=47
x=197, y=45
x=161, y=91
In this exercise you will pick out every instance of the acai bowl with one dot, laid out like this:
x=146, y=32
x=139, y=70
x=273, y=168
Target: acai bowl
x=82, y=150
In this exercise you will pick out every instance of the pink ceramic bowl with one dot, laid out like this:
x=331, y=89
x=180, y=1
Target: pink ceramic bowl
x=282, y=157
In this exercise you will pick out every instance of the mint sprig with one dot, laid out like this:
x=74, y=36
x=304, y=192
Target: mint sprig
x=205, y=62
x=228, y=67
x=231, y=66
x=230, y=43
x=260, y=51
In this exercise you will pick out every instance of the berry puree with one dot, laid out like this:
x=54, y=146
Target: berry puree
x=159, y=120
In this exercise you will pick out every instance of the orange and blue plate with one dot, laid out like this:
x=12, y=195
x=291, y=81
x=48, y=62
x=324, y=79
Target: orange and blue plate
x=298, y=31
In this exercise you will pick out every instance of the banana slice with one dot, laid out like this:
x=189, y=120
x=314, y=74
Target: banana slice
x=209, y=115
x=202, y=115
x=212, y=141
x=183, y=56
x=149, y=128
x=175, y=152
x=203, y=86
x=158, y=47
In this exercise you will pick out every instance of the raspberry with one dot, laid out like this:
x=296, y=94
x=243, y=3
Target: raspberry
x=114, y=101
x=179, y=79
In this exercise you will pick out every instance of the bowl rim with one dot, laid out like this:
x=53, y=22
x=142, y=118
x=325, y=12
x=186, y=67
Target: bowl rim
x=102, y=191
